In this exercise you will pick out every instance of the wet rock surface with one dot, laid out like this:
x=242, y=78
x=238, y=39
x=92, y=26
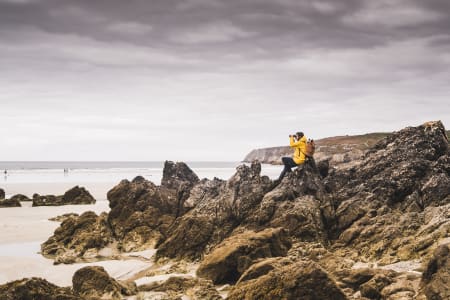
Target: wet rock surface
x=357, y=232
x=76, y=195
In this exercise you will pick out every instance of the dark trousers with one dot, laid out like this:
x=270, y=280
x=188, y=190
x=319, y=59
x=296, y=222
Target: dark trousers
x=289, y=163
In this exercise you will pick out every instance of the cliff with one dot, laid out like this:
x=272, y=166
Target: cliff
x=338, y=149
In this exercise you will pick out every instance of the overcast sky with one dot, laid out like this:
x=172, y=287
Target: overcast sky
x=210, y=79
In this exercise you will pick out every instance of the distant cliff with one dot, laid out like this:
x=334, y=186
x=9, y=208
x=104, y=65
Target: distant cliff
x=338, y=149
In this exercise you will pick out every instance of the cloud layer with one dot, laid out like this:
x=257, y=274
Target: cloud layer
x=211, y=80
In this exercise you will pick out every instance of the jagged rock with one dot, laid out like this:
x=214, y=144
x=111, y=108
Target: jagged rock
x=95, y=283
x=219, y=208
x=2, y=194
x=78, y=238
x=10, y=203
x=436, y=278
x=177, y=287
x=382, y=203
x=34, y=288
x=179, y=177
x=142, y=212
x=234, y=255
x=76, y=195
x=296, y=204
x=20, y=197
x=299, y=280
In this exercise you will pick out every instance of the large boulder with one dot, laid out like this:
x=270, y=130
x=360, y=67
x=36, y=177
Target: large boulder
x=76, y=195
x=34, y=288
x=436, y=278
x=227, y=262
x=9, y=203
x=20, y=197
x=218, y=208
x=2, y=194
x=78, y=238
x=95, y=283
x=281, y=279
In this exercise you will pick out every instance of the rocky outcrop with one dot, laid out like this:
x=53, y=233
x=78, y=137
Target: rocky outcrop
x=283, y=279
x=79, y=239
x=436, y=278
x=9, y=203
x=141, y=212
x=177, y=287
x=219, y=207
x=20, y=197
x=384, y=204
x=34, y=288
x=2, y=194
x=76, y=195
x=95, y=283
x=385, y=211
x=227, y=262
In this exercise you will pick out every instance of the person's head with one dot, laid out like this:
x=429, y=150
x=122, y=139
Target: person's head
x=299, y=135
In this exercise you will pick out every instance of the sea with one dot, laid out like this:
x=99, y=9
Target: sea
x=18, y=173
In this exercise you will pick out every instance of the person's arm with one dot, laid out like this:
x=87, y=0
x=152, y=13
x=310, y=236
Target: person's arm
x=294, y=143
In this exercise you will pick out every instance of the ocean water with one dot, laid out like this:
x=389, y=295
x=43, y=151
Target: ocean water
x=109, y=172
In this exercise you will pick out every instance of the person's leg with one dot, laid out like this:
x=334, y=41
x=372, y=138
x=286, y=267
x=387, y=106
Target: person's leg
x=288, y=164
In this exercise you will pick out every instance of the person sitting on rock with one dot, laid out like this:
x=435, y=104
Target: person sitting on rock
x=298, y=142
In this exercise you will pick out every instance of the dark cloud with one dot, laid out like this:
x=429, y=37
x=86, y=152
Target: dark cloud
x=250, y=70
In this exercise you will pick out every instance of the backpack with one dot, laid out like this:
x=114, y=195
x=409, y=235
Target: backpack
x=310, y=148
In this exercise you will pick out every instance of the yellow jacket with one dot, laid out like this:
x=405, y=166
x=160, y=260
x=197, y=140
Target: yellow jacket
x=300, y=149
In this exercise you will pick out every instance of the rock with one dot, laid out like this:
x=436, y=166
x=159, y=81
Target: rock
x=381, y=203
x=76, y=195
x=177, y=287
x=34, y=288
x=95, y=283
x=299, y=280
x=63, y=217
x=227, y=262
x=2, y=194
x=179, y=177
x=372, y=288
x=436, y=278
x=10, y=203
x=20, y=197
x=296, y=204
x=76, y=236
x=141, y=212
x=219, y=207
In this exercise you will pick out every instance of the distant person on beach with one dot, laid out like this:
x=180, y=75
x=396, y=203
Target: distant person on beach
x=298, y=142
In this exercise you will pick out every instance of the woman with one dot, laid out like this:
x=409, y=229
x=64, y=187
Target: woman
x=298, y=142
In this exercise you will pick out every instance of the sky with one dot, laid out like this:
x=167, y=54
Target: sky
x=211, y=80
